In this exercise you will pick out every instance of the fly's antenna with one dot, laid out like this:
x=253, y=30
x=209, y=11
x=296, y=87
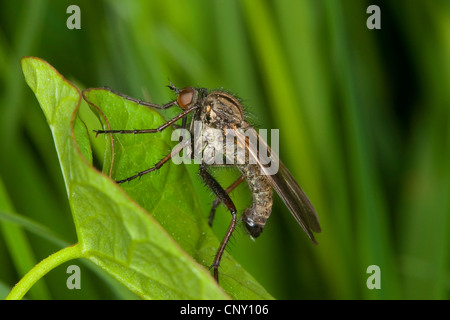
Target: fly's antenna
x=172, y=87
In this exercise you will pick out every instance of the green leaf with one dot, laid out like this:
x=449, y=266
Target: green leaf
x=166, y=194
x=117, y=230
x=113, y=230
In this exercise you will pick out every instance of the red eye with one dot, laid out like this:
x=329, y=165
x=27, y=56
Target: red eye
x=185, y=97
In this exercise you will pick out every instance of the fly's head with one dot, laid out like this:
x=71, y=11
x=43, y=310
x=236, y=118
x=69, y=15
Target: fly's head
x=189, y=96
x=221, y=110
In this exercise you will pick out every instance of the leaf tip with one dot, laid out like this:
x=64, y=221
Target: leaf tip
x=29, y=71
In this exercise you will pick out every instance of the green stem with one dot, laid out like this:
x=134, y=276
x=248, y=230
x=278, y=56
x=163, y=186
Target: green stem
x=41, y=269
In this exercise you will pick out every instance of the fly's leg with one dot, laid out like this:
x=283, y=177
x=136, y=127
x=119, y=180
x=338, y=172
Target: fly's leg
x=225, y=198
x=159, y=129
x=158, y=165
x=217, y=201
x=182, y=115
x=145, y=103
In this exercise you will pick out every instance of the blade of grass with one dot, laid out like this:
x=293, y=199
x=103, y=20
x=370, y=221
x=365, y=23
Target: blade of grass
x=425, y=206
x=374, y=244
x=300, y=31
x=235, y=59
x=25, y=38
x=281, y=95
x=4, y=290
x=33, y=226
x=19, y=247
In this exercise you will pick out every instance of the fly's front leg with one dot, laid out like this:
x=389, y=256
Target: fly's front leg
x=144, y=103
x=159, y=129
x=225, y=198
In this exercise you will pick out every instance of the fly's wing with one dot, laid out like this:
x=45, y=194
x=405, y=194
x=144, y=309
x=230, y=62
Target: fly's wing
x=296, y=200
x=282, y=181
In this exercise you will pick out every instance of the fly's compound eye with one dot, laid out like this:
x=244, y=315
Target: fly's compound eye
x=186, y=97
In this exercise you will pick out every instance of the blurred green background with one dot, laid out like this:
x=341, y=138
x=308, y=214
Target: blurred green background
x=364, y=119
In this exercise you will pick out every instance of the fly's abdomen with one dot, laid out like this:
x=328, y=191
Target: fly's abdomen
x=255, y=217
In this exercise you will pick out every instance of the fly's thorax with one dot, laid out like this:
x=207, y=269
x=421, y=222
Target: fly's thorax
x=221, y=110
x=218, y=113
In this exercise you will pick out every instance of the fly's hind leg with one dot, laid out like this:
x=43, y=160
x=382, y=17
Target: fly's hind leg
x=225, y=198
x=217, y=201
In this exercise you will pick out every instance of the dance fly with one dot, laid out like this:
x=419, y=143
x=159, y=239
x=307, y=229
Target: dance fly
x=217, y=110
